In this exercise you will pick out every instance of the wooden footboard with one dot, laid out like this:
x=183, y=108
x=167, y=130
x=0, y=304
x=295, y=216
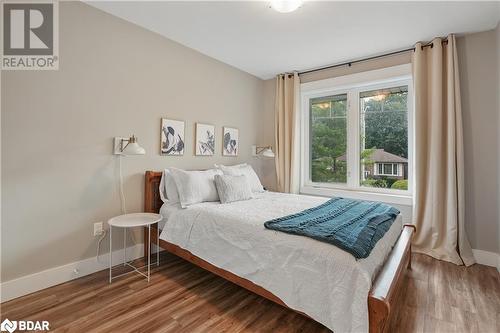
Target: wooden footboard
x=386, y=286
x=382, y=295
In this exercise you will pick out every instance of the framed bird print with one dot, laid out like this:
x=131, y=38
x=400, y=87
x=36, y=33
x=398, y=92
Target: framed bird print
x=172, y=137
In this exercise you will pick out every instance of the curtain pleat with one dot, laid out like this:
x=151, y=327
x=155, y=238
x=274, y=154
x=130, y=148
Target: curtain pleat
x=286, y=132
x=438, y=209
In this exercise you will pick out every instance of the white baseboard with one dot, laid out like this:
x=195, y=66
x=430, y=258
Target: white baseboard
x=487, y=258
x=57, y=275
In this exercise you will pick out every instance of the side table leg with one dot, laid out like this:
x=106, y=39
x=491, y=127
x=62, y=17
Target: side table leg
x=157, y=244
x=110, y=252
x=124, y=246
x=146, y=245
x=149, y=252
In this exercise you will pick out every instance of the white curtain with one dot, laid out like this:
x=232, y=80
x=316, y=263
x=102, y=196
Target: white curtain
x=286, y=130
x=438, y=209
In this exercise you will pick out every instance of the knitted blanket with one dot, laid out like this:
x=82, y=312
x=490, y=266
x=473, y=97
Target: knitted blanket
x=354, y=226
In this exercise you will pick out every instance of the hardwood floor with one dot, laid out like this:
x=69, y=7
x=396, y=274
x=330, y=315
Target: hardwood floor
x=441, y=297
x=437, y=297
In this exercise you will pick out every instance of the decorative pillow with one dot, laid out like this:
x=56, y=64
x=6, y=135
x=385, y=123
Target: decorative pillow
x=168, y=188
x=247, y=171
x=232, y=188
x=195, y=186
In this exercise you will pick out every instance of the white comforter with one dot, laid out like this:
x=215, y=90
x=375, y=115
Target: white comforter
x=317, y=278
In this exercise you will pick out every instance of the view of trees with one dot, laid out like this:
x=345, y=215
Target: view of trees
x=386, y=122
x=329, y=139
x=384, y=125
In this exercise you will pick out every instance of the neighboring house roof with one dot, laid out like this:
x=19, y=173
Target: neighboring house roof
x=381, y=156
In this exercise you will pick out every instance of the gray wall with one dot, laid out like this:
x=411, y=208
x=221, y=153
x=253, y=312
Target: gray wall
x=479, y=82
x=115, y=79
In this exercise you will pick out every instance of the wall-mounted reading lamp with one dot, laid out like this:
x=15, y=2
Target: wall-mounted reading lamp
x=264, y=151
x=125, y=147
x=128, y=146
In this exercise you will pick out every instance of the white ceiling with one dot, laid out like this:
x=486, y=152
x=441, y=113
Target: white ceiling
x=260, y=41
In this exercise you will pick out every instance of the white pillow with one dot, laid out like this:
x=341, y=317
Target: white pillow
x=232, y=188
x=168, y=188
x=220, y=166
x=247, y=171
x=195, y=186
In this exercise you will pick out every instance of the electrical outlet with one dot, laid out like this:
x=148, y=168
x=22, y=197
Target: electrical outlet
x=98, y=229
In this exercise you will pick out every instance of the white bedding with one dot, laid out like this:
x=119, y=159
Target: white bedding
x=317, y=278
x=166, y=210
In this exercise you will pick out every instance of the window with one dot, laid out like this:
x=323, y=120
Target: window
x=356, y=133
x=384, y=169
x=383, y=130
x=329, y=139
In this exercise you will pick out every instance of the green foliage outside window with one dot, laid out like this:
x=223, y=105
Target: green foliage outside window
x=379, y=182
x=401, y=184
x=329, y=140
x=386, y=124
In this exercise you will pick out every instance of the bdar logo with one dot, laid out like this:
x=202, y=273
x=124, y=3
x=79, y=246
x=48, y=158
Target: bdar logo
x=24, y=325
x=8, y=325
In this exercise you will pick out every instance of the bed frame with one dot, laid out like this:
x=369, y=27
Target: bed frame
x=383, y=293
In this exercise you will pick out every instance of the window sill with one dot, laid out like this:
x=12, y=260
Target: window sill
x=398, y=199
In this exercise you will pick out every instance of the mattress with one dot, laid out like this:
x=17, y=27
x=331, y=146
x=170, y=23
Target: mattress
x=319, y=279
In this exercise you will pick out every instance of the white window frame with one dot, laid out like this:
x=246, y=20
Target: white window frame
x=352, y=85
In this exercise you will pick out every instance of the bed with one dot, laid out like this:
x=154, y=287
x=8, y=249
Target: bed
x=313, y=278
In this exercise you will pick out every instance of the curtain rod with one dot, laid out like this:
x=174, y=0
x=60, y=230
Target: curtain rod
x=349, y=63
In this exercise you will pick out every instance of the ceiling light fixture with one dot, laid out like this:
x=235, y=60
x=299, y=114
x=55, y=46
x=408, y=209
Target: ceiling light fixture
x=285, y=6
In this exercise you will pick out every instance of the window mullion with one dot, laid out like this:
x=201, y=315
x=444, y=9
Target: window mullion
x=352, y=139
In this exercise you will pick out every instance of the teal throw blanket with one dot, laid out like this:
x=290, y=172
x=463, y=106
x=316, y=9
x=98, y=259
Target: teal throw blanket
x=354, y=226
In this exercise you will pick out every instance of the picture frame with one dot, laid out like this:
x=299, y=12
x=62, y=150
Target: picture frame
x=230, y=141
x=172, y=137
x=204, y=139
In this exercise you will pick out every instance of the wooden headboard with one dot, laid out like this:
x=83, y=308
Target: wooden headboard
x=152, y=200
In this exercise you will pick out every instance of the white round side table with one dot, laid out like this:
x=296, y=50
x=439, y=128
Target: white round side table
x=132, y=221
